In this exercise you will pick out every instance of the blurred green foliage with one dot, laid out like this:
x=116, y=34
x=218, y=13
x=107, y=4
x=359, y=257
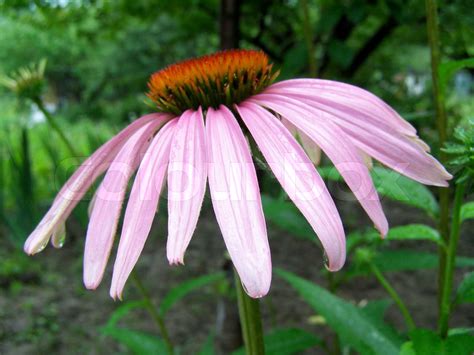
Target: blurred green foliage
x=100, y=55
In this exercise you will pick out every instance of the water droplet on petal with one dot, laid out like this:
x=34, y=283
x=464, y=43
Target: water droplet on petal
x=61, y=241
x=40, y=247
x=326, y=261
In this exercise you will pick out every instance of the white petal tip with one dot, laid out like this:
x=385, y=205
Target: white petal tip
x=336, y=264
x=34, y=248
x=176, y=262
x=383, y=230
x=91, y=284
x=116, y=297
x=257, y=293
x=260, y=289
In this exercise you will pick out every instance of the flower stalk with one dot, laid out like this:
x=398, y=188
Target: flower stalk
x=451, y=260
x=441, y=122
x=153, y=312
x=250, y=320
x=308, y=36
x=39, y=103
x=396, y=298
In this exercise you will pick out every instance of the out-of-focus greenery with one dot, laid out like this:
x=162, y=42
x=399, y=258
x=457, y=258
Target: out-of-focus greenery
x=99, y=57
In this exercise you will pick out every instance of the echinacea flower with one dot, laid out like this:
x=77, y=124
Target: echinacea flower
x=210, y=108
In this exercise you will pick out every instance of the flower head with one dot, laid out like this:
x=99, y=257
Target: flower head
x=225, y=78
x=27, y=82
x=206, y=105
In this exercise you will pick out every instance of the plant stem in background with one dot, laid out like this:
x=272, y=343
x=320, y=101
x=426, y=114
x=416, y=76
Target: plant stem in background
x=153, y=311
x=55, y=126
x=450, y=260
x=250, y=320
x=308, y=36
x=441, y=122
x=391, y=291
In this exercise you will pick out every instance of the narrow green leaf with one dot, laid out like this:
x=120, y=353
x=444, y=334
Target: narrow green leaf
x=285, y=215
x=400, y=188
x=467, y=211
x=425, y=341
x=415, y=232
x=460, y=344
x=183, y=289
x=447, y=69
x=407, y=260
x=122, y=310
x=396, y=187
x=343, y=317
x=465, y=292
x=208, y=347
x=457, y=331
x=375, y=312
x=286, y=342
x=138, y=342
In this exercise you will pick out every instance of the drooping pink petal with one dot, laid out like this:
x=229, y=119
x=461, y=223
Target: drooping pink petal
x=236, y=200
x=338, y=147
x=346, y=95
x=187, y=174
x=78, y=184
x=108, y=204
x=311, y=148
x=299, y=179
x=403, y=154
x=142, y=206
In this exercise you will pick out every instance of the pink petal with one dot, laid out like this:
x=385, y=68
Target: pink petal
x=298, y=178
x=311, y=148
x=338, y=147
x=347, y=95
x=187, y=173
x=108, y=204
x=401, y=153
x=78, y=184
x=142, y=206
x=236, y=201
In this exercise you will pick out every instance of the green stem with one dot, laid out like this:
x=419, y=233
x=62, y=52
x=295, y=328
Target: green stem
x=398, y=301
x=250, y=320
x=308, y=36
x=153, y=312
x=55, y=126
x=441, y=122
x=451, y=260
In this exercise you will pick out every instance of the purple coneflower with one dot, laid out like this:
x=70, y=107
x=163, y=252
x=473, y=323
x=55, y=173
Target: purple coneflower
x=209, y=110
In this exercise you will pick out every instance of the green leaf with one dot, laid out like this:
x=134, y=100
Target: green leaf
x=183, y=289
x=286, y=341
x=447, y=69
x=138, y=342
x=457, y=331
x=465, y=292
x=122, y=310
x=208, y=347
x=407, y=260
x=415, y=232
x=285, y=215
x=343, y=317
x=396, y=187
x=467, y=211
x=400, y=260
x=460, y=344
x=424, y=341
x=375, y=312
